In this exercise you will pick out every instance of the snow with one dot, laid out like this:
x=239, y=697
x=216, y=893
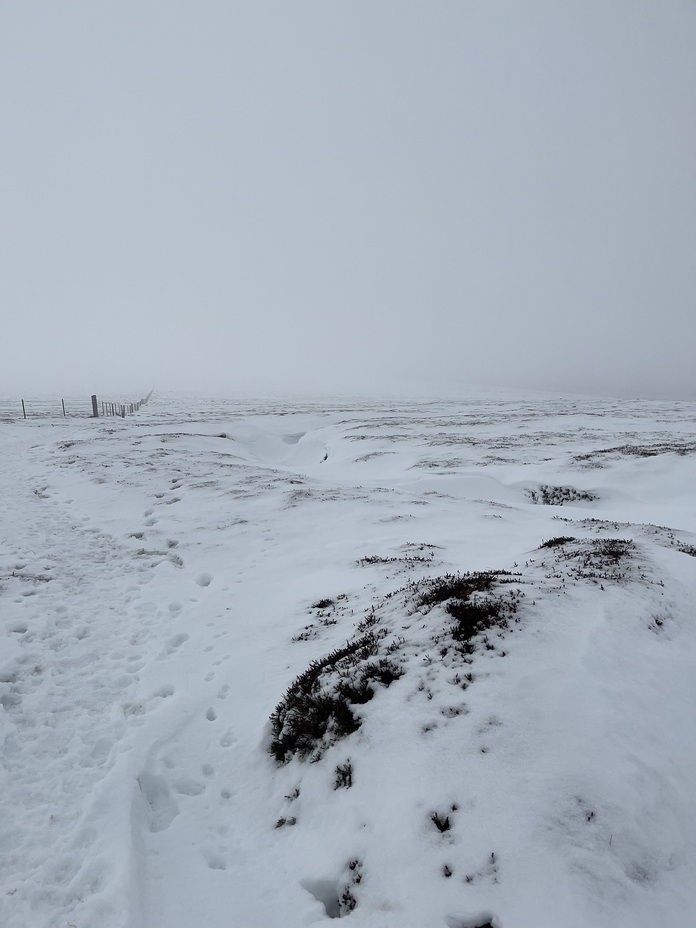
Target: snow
x=161, y=587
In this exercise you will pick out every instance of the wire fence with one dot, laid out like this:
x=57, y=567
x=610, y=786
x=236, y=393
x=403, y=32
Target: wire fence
x=108, y=408
x=71, y=406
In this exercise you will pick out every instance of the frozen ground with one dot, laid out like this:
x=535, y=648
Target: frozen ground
x=165, y=578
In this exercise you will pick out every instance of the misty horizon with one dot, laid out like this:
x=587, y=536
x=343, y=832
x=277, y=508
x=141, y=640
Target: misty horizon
x=375, y=198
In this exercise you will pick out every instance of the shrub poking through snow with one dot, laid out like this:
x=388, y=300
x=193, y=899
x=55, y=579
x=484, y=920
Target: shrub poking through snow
x=344, y=776
x=346, y=900
x=594, y=458
x=455, y=586
x=409, y=558
x=441, y=822
x=472, y=601
x=594, y=558
x=316, y=710
x=282, y=821
x=546, y=495
x=557, y=542
x=488, y=872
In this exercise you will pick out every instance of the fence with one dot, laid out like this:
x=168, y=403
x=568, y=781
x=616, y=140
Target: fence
x=117, y=409
x=70, y=406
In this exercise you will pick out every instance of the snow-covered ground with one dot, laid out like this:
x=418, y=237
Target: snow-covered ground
x=165, y=579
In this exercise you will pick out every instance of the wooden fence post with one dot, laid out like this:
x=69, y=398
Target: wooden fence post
x=95, y=411
x=24, y=410
x=63, y=402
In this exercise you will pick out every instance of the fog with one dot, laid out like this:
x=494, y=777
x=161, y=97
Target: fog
x=348, y=196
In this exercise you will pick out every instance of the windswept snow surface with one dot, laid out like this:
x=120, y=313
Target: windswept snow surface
x=165, y=578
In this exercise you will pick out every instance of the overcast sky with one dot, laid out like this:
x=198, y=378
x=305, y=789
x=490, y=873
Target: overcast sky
x=348, y=194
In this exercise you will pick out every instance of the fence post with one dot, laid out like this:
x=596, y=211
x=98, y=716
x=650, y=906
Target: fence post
x=63, y=402
x=95, y=411
x=24, y=410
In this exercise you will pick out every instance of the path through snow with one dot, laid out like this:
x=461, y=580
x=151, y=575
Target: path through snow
x=161, y=581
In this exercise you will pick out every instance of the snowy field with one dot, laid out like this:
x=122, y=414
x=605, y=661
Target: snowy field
x=418, y=665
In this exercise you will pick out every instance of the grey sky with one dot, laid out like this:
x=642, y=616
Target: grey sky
x=348, y=194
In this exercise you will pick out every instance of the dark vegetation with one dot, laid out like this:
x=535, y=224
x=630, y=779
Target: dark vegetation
x=320, y=706
x=557, y=496
x=441, y=822
x=282, y=821
x=317, y=708
x=594, y=458
x=489, y=871
x=473, y=602
x=596, y=558
x=344, y=776
x=414, y=554
x=327, y=613
x=556, y=542
x=347, y=901
x=663, y=535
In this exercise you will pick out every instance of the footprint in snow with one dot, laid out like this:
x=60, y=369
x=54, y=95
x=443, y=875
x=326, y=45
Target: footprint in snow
x=146, y=608
x=162, y=809
x=186, y=786
x=215, y=861
x=164, y=692
x=176, y=642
